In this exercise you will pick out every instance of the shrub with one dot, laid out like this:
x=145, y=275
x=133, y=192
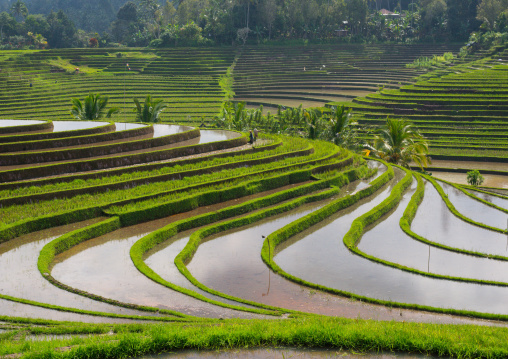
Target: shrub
x=474, y=178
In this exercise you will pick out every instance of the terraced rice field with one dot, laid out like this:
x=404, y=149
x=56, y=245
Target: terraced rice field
x=208, y=226
x=315, y=75
x=461, y=109
x=40, y=84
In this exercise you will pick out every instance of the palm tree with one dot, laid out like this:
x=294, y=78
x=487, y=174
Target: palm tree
x=341, y=129
x=19, y=9
x=150, y=111
x=92, y=108
x=400, y=143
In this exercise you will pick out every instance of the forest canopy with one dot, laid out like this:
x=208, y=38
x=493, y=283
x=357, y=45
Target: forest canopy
x=164, y=23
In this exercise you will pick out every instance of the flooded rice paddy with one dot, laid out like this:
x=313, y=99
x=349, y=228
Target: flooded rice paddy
x=437, y=223
x=319, y=256
x=11, y=123
x=495, y=200
x=498, y=181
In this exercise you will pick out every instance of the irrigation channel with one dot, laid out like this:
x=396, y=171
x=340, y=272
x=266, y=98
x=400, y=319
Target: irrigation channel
x=167, y=244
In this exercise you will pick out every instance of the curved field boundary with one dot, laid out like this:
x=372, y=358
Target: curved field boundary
x=150, y=179
x=350, y=240
x=161, y=210
x=33, y=145
x=409, y=215
x=71, y=239
x=120, y=161
x=136, y=168
x=157, y=211
x=457, y=214
x=150, y=241
x=197, y=237
x=46, y=125
x=374, y=259
x=109, y=127
x=95, y=151
x=460, y=188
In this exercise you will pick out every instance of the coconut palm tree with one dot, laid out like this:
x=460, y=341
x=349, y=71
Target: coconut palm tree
x=150, y=110
x=400, y=143
x=92, y=108
x=341, y=128
x=19, y=9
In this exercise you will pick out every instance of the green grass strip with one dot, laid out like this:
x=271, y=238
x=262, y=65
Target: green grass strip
x=457, y=214
x=197, y=237
x=404, y=186
x=153, y=239
x=350, y=240
x=354, y=335
x=410, y=213
x=71, y=239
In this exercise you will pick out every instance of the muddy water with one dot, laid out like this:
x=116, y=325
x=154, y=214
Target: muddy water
x=388, y=242
x=435, y=222
x=231, y=263
x=497, y=181
x=475, y=210
x=92, y=267
x=319, y=256
x=21, y=278
x=280, y=353
x=13, y=309
x=161, y=258
x=10, y=123
x=500, y=202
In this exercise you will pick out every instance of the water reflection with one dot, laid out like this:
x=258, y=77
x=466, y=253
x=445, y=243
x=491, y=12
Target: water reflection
x=10, y=123
x=435, y=222
x=388, y=242
x=320, y=257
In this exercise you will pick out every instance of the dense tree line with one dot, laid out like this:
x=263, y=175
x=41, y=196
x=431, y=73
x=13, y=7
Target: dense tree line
x=161, y=23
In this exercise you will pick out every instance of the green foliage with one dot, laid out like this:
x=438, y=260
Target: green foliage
x=474, y=178
x=399, y=142
x=429, y=62
x=92, y=108
x=150, y=111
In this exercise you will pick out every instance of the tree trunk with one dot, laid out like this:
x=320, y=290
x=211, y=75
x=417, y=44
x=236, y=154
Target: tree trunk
x=248, y=13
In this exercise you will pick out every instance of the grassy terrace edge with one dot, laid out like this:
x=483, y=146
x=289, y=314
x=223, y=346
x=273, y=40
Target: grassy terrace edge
x=67, y=241
x=350, y=239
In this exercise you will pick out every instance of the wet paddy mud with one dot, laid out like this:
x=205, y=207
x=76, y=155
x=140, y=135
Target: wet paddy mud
x=278, y=353
x=14, y=309
x=161, y=259
x=435, y=222
x=473, y=209
x=498, y=201
x=318, y=255
x=91, y=266
x=21, y=278
x=231, y=263
x=461, y=178
x=207, y=136
x=387, y=241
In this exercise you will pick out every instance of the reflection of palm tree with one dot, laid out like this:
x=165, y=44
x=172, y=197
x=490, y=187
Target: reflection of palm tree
x=150, y=111
x=400, y=143
x=92, y=108
x=19, y=9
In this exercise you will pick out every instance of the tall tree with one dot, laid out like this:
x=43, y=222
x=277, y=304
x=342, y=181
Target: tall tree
x=461, y=18
x=19, y=9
